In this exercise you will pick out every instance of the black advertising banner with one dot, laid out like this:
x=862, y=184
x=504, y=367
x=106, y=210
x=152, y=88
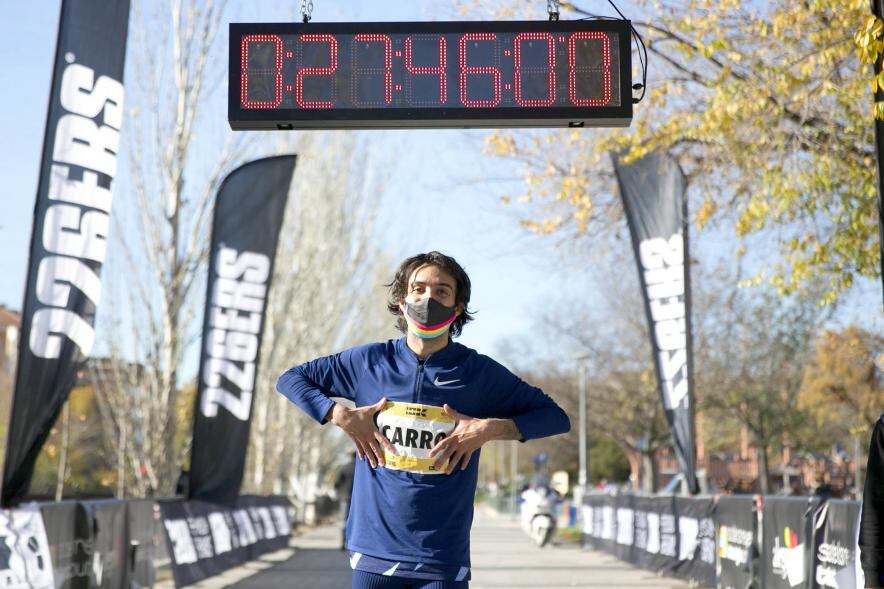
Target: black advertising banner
x=249, y=210
x=109, y=541
x=67, y=530
x=607, y=534
x=625, y=536
x=104, y=543
x=737, y=552
x=643, y=535
x=696, y=539
x=653, y=193
x=71, y=222
x=592, y=520
x=205, y=539
x=786, y=541
x=835, y=550
x=143, y=540
x=662, y=545
x=25, y=554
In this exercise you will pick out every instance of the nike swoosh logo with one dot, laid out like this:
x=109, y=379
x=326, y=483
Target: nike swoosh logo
x=440, y=383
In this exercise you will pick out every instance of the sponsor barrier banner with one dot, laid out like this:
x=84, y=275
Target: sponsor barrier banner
x=107, y=543
x=663, y=534
x=205, y=539
x=786, y=541
x=71, y=223
x=714, y=541
x=607, y=533
x=624, y=537
x=25, y=561
x=835, y=550
x=109, y=540
x=143, y=541
x=249, y=210
x=591, y=517
x=69, y=533
x=696, y=539
x=737, y=545
x=639, y=529
x=653, y=193
x=645, y=538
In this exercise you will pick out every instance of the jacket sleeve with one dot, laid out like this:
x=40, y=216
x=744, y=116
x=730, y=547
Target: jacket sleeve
x=871, y=534
x=534, y=413
x=310, y=385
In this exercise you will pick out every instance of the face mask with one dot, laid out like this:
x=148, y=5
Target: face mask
x=428, y=318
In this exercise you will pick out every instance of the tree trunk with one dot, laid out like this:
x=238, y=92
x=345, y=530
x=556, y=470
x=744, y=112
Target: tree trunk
x=648, y=472
x=763, y=470
x=63, y=453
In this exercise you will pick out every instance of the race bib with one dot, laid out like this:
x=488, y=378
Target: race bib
x=413, y=430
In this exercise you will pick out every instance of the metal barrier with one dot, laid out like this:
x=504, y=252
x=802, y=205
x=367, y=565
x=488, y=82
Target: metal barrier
x=730, y=541
x=122, y=543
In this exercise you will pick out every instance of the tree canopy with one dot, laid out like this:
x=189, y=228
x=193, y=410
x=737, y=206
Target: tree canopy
x=768, y=110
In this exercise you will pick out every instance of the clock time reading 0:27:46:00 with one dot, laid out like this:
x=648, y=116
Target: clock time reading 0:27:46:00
x=352, y=75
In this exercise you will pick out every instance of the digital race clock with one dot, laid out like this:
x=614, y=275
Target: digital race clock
x=442, y=74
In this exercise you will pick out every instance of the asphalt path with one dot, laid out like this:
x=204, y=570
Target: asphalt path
x=503, y=557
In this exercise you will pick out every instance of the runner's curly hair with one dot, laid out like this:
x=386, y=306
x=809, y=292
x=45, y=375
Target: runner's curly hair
x=399, y=287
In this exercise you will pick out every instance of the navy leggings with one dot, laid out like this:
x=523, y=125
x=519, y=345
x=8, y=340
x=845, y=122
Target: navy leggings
x=363, y=580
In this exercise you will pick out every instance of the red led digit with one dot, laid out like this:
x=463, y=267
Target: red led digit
x=438, y=70
x=551, y=68
x=573, y=68
x=277, y=80
x=316, y=71
x=388, y=66
x=466, y=70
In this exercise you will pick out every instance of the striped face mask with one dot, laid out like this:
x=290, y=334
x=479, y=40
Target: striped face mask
x=428, y=318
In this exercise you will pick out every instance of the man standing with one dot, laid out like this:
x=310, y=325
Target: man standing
x=871, y=534
x=424, y=407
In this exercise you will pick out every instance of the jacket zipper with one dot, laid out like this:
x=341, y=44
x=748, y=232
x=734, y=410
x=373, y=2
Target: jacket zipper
x=417, y=383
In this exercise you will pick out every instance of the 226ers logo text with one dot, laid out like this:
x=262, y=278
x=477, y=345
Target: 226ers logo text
x=413, y=429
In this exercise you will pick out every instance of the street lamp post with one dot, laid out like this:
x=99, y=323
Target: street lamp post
x=582, y=475
x=584, y=463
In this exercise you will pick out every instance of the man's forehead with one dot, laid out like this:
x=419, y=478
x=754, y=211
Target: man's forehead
x=430, y=274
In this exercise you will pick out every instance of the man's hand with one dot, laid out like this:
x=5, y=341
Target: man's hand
x=360, y=426
x=468, y=436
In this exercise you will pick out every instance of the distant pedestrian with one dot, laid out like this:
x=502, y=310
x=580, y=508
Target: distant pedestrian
x=871, y=533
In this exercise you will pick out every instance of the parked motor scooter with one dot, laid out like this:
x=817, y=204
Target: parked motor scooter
x=537, y=513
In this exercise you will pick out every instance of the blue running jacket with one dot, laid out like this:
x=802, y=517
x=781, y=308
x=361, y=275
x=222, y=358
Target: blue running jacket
x=401, y=515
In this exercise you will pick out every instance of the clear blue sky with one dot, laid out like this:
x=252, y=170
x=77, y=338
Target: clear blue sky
x=513, y=275
x=454, y=214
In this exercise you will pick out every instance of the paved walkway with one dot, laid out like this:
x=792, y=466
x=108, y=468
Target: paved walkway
x=503, y=558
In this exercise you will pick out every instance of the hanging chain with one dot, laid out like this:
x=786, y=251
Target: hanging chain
x=552, y=7
x=307, y=10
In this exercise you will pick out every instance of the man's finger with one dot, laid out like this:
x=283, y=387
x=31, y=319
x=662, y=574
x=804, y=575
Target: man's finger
x=440, y=447
x=466, y=460
x=443, y=457
x=369, y=455
x=443, y=444
x=378, y=453
x=453, y=462
x=450, y=411
x=359, y=451
x=385, y=443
